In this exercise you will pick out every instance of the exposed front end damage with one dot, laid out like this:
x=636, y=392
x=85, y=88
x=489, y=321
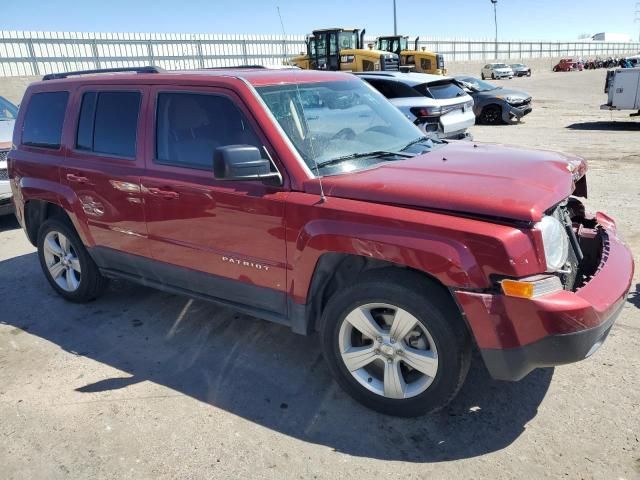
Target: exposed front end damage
x=517, y=335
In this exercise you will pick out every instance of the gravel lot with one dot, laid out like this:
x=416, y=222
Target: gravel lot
x=141, y=384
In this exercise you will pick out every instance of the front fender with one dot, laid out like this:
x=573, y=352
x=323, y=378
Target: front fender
x=442, y=257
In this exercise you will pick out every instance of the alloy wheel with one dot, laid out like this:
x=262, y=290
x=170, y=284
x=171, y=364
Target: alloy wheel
x=388, y=350
x=62, y=261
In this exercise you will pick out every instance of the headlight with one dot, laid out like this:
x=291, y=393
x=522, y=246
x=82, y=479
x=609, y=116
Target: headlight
x=555, y=242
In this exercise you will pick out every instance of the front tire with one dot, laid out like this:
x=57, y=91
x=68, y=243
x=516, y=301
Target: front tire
x=396, y=343
x=491, y=115
x=66, y=263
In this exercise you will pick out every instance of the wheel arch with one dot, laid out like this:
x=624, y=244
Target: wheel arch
x=333, y=271
x=44, y=199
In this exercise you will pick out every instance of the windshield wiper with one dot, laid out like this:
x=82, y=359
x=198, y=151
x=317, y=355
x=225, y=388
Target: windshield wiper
x=377, y=153
x=416, y=141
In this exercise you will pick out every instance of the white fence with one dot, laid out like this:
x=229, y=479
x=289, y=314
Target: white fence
x=38, y=53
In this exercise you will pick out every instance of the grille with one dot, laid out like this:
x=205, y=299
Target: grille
x=390, y=64
x=4, y=174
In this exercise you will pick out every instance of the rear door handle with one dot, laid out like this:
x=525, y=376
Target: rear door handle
x=166, y=194
x=72, y=177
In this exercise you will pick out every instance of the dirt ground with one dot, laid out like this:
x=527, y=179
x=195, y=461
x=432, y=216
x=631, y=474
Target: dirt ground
x=141, y=384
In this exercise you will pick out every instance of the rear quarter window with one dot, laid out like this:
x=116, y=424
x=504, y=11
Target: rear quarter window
x=44, y=118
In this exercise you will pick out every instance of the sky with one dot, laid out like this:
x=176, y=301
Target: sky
x=517, y=19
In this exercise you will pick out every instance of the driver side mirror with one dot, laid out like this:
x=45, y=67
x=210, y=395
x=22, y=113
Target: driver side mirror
x=243, y=162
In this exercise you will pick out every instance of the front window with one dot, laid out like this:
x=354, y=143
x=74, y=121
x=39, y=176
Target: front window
x=348, y=40
x=477, y=84
x=342, y=126
x=8, y=111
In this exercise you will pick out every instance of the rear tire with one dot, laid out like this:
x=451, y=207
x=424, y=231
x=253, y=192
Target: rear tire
x=421, y=352
x=483, y=77
x=66, y=263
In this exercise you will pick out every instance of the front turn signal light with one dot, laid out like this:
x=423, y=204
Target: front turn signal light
x=531, y=287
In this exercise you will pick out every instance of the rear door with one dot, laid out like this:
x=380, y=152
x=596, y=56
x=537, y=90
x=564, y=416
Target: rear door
x=224, y=239
x=103, y=167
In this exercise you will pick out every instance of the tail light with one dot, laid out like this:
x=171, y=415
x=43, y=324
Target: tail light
x=422, y=112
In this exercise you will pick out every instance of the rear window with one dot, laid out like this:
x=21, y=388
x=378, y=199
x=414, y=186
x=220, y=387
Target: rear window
x=441, y=90
x=44, y=118
x=392, y=89
x=108, y=123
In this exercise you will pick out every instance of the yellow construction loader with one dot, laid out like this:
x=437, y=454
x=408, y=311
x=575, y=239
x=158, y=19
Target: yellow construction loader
x=422, y=61
x=343, y=49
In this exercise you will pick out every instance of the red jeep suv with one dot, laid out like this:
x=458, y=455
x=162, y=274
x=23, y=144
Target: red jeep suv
x=307, y=199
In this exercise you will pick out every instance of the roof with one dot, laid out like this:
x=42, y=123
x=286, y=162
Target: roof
x=343, y=29
x=410, y=79
x=255, y=76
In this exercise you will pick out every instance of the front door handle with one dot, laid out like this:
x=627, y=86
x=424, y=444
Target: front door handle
x=72, y=177
x=166, y=194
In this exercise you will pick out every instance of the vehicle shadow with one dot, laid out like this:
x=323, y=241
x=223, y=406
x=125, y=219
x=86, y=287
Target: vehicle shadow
x=634, y=296
x=256, y=370
x=606, y=125
x=8, y=222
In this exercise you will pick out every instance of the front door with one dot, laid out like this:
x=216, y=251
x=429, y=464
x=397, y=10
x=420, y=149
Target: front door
x=104, y=164
x=224, y=239
x=327, y=53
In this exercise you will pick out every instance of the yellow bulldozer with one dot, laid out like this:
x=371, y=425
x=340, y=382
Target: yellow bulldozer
x=343, y=49
x=422, y=61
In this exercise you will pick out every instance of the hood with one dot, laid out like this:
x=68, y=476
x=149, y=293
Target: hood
x=6, y=130
x=481, y=179
x=505, y=92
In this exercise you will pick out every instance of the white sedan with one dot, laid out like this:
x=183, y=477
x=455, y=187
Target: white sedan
x=496, y=71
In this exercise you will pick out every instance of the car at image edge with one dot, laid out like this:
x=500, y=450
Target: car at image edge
x=494, y=105
x=436, y=104
x=402, y=252
x=8, y=112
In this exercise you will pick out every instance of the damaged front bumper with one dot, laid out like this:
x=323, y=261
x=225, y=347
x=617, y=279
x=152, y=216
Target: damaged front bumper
x=517, y=335
x=514, y=112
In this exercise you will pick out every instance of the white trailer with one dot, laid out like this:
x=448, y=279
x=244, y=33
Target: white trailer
x=623, y=87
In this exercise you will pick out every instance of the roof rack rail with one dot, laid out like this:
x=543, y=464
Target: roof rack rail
x=146, y=69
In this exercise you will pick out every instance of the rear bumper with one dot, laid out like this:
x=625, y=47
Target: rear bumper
x=517, y=335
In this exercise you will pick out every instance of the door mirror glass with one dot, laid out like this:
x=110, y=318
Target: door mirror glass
x=242, y=162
